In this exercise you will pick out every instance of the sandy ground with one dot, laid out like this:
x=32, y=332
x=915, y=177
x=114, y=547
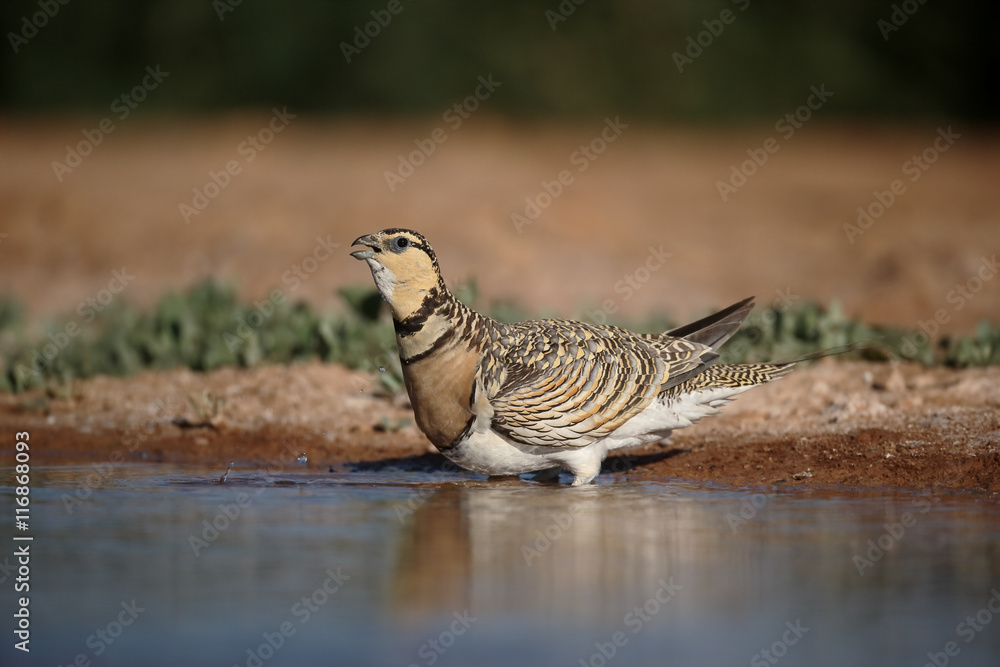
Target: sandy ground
x=781, y=233
x=650, y=192
x=852, y=424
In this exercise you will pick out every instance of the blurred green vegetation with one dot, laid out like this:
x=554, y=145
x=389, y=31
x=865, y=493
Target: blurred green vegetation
x=607, y=57
x=206, y=327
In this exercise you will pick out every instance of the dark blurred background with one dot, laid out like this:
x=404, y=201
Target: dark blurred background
x=604, y=57
x=699, y=85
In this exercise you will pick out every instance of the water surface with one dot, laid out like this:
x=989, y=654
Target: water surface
x=160, y=565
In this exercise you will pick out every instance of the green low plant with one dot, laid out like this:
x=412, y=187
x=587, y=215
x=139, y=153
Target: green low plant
x=207, y=326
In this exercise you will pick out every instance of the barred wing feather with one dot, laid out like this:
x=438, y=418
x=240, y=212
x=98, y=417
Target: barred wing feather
x=567, y=384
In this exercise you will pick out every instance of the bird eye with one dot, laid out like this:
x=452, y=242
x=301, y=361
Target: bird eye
x=401, y=242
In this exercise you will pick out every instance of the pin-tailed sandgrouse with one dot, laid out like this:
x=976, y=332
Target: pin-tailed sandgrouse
x=506, y=399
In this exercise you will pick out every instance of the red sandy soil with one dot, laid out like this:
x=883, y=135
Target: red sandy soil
x=856, y=424
x=836, y=423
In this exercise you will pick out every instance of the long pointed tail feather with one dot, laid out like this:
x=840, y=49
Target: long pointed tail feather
x=717, y=328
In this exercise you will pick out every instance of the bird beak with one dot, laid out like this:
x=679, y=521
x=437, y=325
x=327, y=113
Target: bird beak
x=367, y=240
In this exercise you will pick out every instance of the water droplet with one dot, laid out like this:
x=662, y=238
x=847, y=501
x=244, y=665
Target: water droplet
x=223, y=479
x=381, y=369
x=303, y=458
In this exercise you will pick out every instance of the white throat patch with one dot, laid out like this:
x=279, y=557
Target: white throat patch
x=385, y=279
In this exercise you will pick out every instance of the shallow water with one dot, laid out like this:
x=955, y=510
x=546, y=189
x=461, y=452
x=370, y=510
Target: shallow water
x=381, y=568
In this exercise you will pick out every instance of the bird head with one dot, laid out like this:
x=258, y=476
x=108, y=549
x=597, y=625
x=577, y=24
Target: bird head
x=404, y=267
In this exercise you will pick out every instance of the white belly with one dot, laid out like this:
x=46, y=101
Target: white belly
x=487, y=452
